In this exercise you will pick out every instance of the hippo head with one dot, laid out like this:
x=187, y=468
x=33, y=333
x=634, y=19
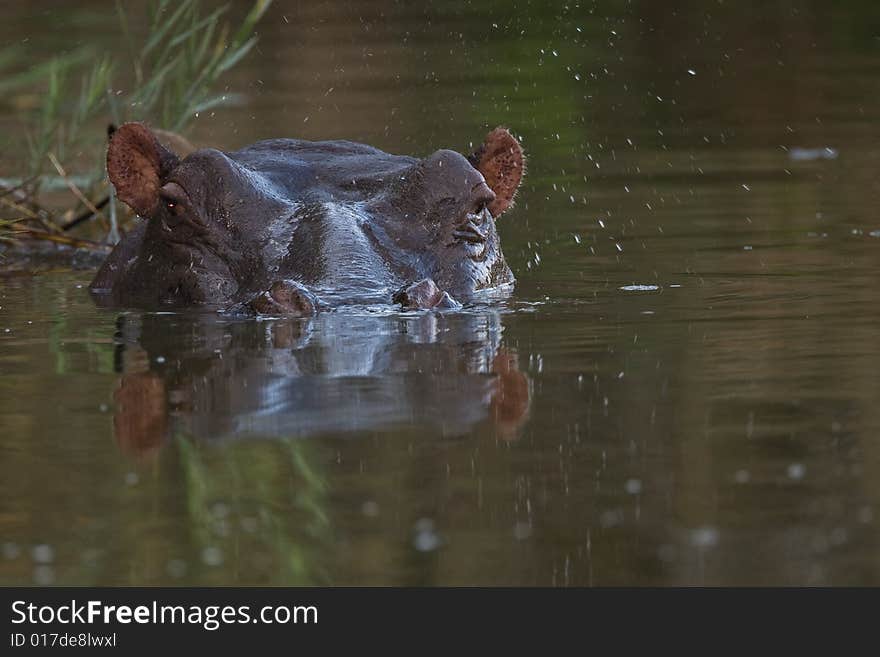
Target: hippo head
x=223, y=226
x=441, y=212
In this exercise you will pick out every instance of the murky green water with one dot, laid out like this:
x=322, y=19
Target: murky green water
x=682, y=391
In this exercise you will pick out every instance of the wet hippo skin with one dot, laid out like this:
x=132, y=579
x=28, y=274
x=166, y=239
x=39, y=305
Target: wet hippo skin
x=286, y=227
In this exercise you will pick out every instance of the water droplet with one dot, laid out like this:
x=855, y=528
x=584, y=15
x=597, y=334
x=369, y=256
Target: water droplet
x=705, y=537
x=633, y=486
x=43, y=553
x=742, y=476
x=796, y=471
x=611, y=518
x=212, y=556
x=425, y=539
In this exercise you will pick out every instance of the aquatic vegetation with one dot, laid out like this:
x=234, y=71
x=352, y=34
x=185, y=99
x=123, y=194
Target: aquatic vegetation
x=174, y=71
x=265, y=504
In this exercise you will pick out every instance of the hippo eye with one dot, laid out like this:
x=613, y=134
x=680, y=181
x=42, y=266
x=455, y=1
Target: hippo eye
x=175, y=208
x=174, y=198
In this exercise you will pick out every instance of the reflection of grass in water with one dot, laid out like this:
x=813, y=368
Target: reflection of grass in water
x=259, y=501
x=57, y=333
x=61, y=335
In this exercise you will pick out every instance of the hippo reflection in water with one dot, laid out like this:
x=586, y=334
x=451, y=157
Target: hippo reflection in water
x=338, y=374
x=285, y=227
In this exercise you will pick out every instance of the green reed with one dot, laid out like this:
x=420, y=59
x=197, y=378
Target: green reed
x=175, y=68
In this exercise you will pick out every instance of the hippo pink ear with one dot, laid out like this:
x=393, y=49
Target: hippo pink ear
x=501, y=161
x=137, y=163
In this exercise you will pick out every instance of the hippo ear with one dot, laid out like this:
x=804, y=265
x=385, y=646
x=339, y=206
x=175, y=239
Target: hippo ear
x=137, y=164
x=501, y=161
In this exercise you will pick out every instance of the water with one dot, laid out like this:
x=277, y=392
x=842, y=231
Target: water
x=682, y=391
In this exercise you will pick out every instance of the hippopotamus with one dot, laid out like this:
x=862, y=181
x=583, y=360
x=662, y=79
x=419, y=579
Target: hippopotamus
x=286, y=227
